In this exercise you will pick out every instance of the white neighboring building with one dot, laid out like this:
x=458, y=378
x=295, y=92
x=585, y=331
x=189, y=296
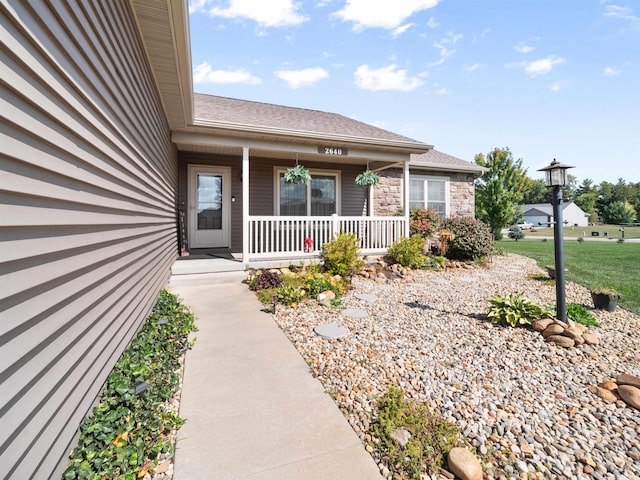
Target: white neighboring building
x=541, y=214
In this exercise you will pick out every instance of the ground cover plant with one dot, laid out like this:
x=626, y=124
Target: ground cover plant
x=581, y=314
x=591, y=264
x=126, y=432
x=432, y=436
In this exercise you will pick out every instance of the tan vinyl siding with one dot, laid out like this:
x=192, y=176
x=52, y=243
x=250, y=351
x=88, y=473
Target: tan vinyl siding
x=88, y=185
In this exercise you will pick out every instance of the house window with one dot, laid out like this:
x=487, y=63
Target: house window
x=319, y=198
x=429, y=192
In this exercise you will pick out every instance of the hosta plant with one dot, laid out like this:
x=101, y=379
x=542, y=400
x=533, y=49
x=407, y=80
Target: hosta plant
x=515, y=310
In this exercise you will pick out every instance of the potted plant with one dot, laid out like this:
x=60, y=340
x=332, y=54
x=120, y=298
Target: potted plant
x=297, y=174
x=367, y=178
x=605, y=299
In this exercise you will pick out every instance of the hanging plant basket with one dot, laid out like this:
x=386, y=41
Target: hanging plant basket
x=367, y=178
x=297, y=174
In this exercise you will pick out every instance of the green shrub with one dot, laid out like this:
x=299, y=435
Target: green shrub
x=408, y=252
x=581, y=314
x=424, y=222
x=516, y=233
x=515, y=310
x=290, y=295
x=473, y=240
x=341, y=255
x=124, y=433
x=433, y=262
x=318, y=283
x=432, y=436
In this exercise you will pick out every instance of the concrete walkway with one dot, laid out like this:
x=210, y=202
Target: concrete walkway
x=253, y=409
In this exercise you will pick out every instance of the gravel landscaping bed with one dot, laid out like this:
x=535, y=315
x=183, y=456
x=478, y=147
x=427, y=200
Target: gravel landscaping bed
x=522, y=403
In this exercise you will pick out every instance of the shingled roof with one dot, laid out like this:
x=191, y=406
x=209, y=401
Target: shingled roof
x=436, y=160
x=242, y=113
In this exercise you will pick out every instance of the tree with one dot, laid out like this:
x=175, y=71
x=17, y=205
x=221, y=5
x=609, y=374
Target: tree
x=536, y=192
x=619, y=212
x=500, y=190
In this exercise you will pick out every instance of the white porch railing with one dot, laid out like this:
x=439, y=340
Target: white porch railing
x=281, y=237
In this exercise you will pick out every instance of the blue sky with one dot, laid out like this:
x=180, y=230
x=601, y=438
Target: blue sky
x=546, y=78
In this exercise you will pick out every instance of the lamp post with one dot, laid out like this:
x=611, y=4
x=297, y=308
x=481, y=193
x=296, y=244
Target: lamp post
x=556, y=178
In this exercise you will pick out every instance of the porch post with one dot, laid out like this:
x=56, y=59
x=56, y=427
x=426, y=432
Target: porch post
x=245, y=204
x=405, y=178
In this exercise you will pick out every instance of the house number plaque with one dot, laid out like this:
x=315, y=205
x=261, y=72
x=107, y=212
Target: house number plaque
x=333, y=151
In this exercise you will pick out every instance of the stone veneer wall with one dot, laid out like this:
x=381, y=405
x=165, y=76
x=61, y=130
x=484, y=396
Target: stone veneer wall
x=387, y=197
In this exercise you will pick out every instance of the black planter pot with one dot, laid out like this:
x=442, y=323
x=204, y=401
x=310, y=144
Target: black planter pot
x=605, y=301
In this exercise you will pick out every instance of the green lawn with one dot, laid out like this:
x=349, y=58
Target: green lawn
x=591, y=264
x=612, y=231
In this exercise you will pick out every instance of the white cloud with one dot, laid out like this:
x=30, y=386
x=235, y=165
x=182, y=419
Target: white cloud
x=432, y=23
x=472, y=68
x=385, y=78
x=445, y=51
x=196, y=5
x=522, y=48
x=557, y=86
x=541, y=66
x=623, y=13
x=302, y=78
x=401, y=29
x=381, y=13
x=442, y=91
x=274, y=13
x=203, y=73
x=610, y=71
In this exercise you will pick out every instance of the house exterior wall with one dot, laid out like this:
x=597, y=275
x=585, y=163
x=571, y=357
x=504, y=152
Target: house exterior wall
x=575, y=216
x=89, y=178
x=262, y=186
x=388, y=193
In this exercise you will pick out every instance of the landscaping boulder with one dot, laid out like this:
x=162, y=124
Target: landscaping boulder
x=591, y=338
x=607, y=395
x=561, y=340
x=542, y=324
x=464, y=464
x=552, y=329
x=626, y=379
x=326, y=297
x=630, y=395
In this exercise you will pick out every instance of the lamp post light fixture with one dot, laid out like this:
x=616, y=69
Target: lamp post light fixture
x=556, y=178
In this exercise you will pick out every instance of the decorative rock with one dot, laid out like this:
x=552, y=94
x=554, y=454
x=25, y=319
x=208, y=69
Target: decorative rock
x=552, y=329
x=572, y=333
x=561, y=340
x=607, y=395
x=464, y=464
x=325, y=298
x=163, y=467
x=331, y=331
x=401, y=436
x=609, y=385
x=355, y=313
x=591, y=338
x=630, y=394
x=626, y=379
x=542, y=324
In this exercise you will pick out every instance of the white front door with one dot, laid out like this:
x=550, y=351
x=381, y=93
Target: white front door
x=209, y=206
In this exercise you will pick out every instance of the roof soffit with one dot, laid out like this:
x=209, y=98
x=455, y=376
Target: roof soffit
x=164, y=29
